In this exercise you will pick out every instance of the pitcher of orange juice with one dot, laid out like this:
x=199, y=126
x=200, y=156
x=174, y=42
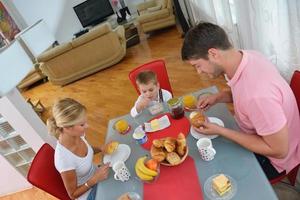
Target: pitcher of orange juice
x=189, y=101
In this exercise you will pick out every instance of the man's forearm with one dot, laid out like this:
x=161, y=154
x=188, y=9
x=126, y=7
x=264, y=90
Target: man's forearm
x=224, y=96
x=252, y=142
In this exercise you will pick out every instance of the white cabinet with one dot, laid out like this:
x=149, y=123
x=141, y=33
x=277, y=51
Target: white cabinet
x=22, y=133
x=14, y=148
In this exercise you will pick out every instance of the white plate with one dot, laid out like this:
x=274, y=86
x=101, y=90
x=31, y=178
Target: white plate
x=121, y=154
x=164, y=122
x=197, y=135
x=213, y=195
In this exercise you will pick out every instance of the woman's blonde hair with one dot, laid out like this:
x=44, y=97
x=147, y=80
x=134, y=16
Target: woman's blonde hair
x=65, y=113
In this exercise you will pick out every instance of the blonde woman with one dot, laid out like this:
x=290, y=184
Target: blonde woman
x=73, y=155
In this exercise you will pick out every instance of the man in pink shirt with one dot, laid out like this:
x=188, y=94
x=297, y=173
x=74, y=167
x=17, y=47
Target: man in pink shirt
x=265, y=106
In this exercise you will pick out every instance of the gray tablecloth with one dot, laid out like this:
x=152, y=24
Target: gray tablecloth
x=230, y=159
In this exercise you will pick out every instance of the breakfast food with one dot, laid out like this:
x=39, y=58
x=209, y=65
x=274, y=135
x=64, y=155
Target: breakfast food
x=142, y=170
x=221, y=184
x=169, y=151
x=189, y=102
x=158, y=143
x=181, y=144
x=157, y=153
x=111, y=147
x=197, y=119
x=154, y=124
x=121, y=126
x=124, y=197
x=170, y=144
x=152, y=164
x=173, y=158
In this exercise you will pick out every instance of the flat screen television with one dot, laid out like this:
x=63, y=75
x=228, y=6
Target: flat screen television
x=92, y=12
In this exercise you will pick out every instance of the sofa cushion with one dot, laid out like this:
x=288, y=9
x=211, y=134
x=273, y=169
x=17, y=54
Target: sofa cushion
x=92, y=34
x=163, y=3
x=148, y=17
x=56, y=51
x=153, y=9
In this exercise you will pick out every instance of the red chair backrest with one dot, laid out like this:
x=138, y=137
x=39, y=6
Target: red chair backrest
x=43, y=174
x=157, y=66
x=295, y=85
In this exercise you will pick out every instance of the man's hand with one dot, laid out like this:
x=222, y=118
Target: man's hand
x=207, y=101
x=208, y=128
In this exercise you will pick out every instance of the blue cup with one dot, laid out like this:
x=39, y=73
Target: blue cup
x=139, y=135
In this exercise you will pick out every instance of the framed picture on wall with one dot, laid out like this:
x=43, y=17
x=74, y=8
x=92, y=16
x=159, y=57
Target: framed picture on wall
x=7, y=25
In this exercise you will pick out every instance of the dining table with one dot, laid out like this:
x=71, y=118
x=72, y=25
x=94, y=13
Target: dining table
x=230, y=159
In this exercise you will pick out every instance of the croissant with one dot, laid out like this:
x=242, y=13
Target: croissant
x=181, y=144
x=170, y=144
x=157, y=153
x=158, y=143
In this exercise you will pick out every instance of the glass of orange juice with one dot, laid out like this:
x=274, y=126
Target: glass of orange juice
x=122, y=126
x=189, y=101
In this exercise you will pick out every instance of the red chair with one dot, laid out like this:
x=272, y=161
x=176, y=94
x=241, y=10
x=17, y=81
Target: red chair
x=43, y=174
x=295, y=85
x=157, y=66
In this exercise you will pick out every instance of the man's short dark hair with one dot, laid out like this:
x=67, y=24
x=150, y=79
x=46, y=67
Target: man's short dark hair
x=201, y=38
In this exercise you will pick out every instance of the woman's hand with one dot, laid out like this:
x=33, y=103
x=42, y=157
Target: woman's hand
x=101, y=173
x=208, y=128
x=206, y=102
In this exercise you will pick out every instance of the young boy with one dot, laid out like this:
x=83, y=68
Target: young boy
x=150, y=92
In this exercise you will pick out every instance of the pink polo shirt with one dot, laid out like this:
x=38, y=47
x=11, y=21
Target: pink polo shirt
x=264, y=103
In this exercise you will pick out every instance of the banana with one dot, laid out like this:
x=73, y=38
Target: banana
x=141, y=175
x=141, y=166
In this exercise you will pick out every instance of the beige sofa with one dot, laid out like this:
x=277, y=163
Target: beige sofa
x=33, y=76
x=155, y=14
x=100, y=48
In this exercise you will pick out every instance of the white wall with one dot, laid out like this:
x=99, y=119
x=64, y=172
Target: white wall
x=58, y=15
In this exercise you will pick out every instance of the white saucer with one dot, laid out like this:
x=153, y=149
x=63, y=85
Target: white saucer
x=121, y=154
x=197, y=135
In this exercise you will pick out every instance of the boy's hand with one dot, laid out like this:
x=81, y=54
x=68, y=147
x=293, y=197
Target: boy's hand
x=143, y=103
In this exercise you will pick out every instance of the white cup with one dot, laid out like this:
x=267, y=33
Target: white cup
x=121, y=171
x=206, y=149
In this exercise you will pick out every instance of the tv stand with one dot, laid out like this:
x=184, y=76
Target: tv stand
x=81, y=32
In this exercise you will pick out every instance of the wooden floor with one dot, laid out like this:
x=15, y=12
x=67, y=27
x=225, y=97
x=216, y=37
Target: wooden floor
x=109, y=93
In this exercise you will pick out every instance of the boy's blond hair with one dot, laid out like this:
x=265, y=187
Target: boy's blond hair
x=146, y=77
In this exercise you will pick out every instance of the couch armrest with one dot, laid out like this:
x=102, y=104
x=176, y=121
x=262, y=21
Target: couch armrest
x=121, y=33
x=143, y=6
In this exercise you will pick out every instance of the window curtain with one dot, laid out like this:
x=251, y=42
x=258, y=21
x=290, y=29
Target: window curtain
x=273, y=28
x=215, y=11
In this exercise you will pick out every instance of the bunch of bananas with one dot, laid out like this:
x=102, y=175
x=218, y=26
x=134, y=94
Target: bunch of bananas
x=143, y=172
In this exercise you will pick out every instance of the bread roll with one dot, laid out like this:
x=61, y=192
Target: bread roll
x=158, y=143
x=170, y=144
x=173, y=158
x=197, y=119
x=157, y=153
x=181, y=144
x=111, y=147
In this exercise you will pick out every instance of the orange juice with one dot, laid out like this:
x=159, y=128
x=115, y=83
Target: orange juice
x=121, y=126
x=189, y=101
